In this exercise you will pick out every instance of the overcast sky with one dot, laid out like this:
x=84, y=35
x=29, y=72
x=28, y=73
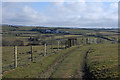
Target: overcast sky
x=61, y=14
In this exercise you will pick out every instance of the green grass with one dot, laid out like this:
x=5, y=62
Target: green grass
x=33, y=70
x=102, y=60
x=23, y=57
x=71, y=64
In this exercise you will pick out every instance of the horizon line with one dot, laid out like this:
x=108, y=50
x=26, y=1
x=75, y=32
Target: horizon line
x=59, y=26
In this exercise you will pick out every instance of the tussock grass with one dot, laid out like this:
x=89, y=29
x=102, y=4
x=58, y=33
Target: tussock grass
x=102, y=61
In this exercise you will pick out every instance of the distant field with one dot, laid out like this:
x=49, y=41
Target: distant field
x=108, y=33
x=79, y=31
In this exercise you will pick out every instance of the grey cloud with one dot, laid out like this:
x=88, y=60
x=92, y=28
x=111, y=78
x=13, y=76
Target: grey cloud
x=64, y=14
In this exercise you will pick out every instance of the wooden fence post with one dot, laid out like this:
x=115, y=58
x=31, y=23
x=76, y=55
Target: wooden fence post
x=76, y=43
x=95, y=40
x=15, y=56
x=45, y=49
x=82, y=41
x=73, y=42
x=31, y=54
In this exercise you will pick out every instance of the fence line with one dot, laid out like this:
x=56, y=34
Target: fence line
x=45, y=50
x=58, y=46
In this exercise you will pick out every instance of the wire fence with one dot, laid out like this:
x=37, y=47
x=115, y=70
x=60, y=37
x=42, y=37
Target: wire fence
x=15, y=56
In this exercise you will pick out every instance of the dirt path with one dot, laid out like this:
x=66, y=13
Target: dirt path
x=82, y=72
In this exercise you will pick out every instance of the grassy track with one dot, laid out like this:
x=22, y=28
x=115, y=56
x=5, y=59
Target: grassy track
x=48, y=72
x=72, y=66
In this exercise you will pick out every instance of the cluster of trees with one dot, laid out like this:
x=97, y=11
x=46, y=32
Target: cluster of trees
x=52, y=31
